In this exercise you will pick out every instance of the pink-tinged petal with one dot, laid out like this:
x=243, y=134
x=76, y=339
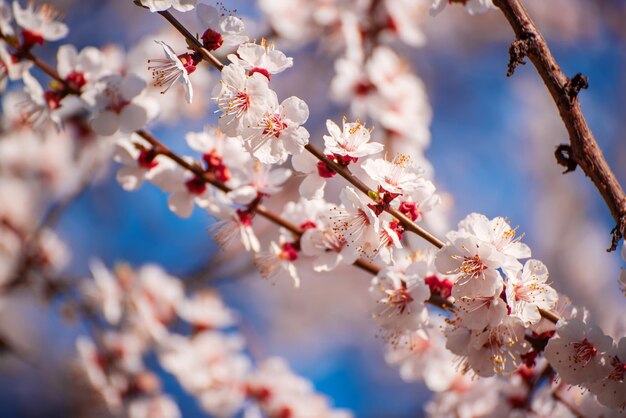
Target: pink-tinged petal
x=181, y=203
x=278, y=176
x=312, y=187
x=295, y=109
x=130, y=178
x=304, y=162
x=67, y=57
x=327, y=261
x=243, y=195
x=294, y=139
x=518, y=250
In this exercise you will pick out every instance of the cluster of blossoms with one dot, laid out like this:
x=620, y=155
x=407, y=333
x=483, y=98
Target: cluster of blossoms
x=496, y=300
x=496, y=297
x=207, y=355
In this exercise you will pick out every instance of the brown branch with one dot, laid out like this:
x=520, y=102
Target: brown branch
x=192, y=41
x=408, y=224
x=584, y=150
x=260, y=209
x=435, y=299
x=344, y=172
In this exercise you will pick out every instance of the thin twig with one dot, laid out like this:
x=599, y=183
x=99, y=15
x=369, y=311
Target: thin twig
x=584, y=150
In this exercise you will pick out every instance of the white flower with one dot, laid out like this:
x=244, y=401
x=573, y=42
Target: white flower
x=319, y=239
x=210, y=366
x=576, y=351
x=160, y=5
x=257, y=180
x=52, y=253
x=475, y=262
x=262, y=58
x=494, y=350
x=88, y=357
x=39, y=23
x=206, y=310
x=173, y=68
x=479, y=311
x=390, y=235
x=419, y=202
x=278, y=133
x=421, y=355
x=105, y=292
x=113, y=99
x=312, y=187
x=243, y=100
x=9, y=68
x=232, y=222
x=527, y=292
x=499, y=233
x=397, y=176
x=351, y=141
x=399, y=294
x=279, y=257
x=357, y=224
x=403, y=14
x=466, y=398
x=186, y=189
x=155, y=298
x=139, y=161
x=224, y=32
x=221, y=154
x=35, y=109
x=78, y=69
x=279, y=392
x=472, y=6
x=611, y=387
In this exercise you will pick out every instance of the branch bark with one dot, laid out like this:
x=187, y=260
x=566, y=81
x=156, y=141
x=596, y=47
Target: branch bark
x=585, y=151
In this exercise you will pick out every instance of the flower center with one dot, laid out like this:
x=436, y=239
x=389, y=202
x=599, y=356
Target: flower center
x=289, y=252
x=216, y=166
x=472, y=266
x=146, y=159
x=245, y=217
x=436, y=285
x=196, y=185
x=116, y=102
x=399, y=299
x=618, y=370
x=584, y=351
x=238, y=104
x=274, y=125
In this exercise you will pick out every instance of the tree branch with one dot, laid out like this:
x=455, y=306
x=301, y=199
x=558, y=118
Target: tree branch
x=584, y=150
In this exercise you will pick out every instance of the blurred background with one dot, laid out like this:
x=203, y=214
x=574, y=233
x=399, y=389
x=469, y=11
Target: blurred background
x=492, y=148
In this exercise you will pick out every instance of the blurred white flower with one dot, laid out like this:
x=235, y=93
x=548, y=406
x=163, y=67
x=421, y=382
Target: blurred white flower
x=173, y=68
x=278, y=133
x=39, y=23
x=160, y=5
